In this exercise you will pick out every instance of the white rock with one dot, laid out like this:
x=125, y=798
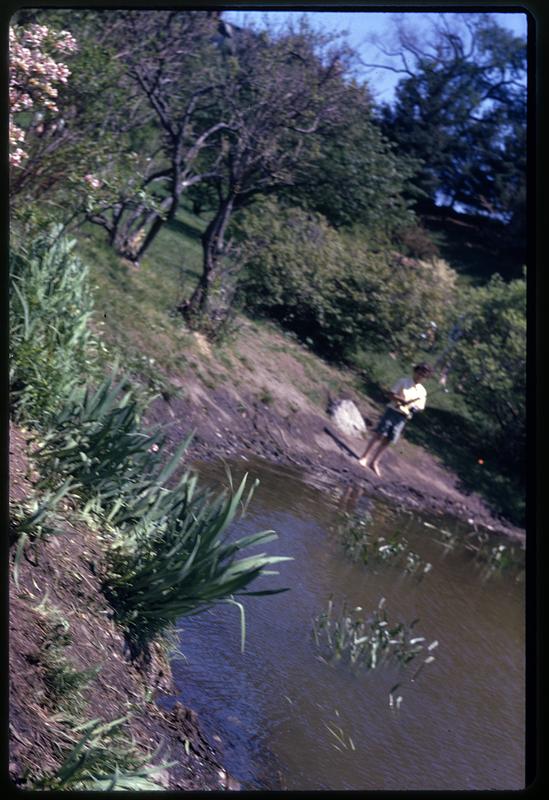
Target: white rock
x=348, y=418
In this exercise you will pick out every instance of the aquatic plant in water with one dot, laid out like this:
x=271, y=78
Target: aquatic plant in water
x=361, y=544
x=367, y=641
x=342, y=740
x=490, y=557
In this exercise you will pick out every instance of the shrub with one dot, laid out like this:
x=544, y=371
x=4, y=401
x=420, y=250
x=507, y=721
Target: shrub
x=332, y=288
x=289, y=257
x=50, y=342
x=489, y=366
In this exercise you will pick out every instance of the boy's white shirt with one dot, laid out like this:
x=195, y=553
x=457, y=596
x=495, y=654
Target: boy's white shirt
x=408, y=390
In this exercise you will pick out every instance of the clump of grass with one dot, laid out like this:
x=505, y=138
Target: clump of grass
x=100, y=759
x=65, y=684
x=361, y=544
x=33, y=519
x=150, y=373
x=367, y=641
x=35, y=516
x=265, y=396
x=96, y=441
x=51, y=345
x=94, y=754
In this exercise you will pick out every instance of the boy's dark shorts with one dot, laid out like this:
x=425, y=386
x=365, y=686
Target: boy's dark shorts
x=391, y=424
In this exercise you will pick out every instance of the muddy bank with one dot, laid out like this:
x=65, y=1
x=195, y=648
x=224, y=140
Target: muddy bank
x=231, y=423
x=58, y=618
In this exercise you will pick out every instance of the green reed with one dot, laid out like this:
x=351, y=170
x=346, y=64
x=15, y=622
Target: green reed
x=490, y=557
x=366, y=641
x=362, y=545
x=51, y=344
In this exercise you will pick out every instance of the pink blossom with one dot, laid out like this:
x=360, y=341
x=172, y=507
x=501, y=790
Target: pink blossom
x=33, y=73
x=92, y=181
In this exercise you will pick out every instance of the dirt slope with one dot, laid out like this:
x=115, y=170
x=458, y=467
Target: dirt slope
x=274, y=409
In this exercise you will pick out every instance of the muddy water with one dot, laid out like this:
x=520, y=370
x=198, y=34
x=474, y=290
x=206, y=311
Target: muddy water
x=460, y=724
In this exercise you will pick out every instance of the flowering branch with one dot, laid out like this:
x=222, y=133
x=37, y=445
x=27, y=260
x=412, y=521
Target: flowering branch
x=33, y=73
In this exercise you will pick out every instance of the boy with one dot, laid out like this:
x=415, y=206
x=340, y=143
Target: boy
x=408, y=396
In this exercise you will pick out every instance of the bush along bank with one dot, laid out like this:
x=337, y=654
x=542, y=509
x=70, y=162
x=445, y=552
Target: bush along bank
x=136, y=549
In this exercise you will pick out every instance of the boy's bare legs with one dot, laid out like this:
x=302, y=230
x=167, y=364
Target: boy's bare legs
x=376, y=437
x=381, y=449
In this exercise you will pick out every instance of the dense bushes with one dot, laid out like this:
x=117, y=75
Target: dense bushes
x=335, y=291
x=489, y=365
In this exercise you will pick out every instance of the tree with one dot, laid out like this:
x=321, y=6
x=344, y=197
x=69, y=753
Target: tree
x=170, y=61
x=280, y=92
x=34, y=71
x=460, y=109
x=141, y=107
x=84, y=135
x=356, y=176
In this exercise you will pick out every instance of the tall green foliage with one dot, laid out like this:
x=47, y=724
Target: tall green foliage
x=489, y=364
x=169, y=555
x=50, y=308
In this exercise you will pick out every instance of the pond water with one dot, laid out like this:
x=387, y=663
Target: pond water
x=460, y=724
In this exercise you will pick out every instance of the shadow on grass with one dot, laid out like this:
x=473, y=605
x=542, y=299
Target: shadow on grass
x=459, y=445
x=120, y=276
x=179, y=226
x=456, y=441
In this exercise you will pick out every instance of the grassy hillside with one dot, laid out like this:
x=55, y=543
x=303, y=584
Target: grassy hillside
x=135, y=311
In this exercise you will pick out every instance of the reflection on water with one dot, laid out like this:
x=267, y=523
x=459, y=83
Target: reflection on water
x=288, y=720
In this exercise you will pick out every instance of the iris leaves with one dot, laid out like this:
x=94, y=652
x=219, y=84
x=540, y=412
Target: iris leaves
x=169, y=553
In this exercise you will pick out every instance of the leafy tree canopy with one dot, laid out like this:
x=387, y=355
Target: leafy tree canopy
x=460, y=108
x=356, y=177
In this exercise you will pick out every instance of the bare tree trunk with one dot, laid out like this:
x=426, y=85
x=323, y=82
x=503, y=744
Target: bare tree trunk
x=134, y=237
x=155, y=223
x=134, y=233
x=213, y=246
